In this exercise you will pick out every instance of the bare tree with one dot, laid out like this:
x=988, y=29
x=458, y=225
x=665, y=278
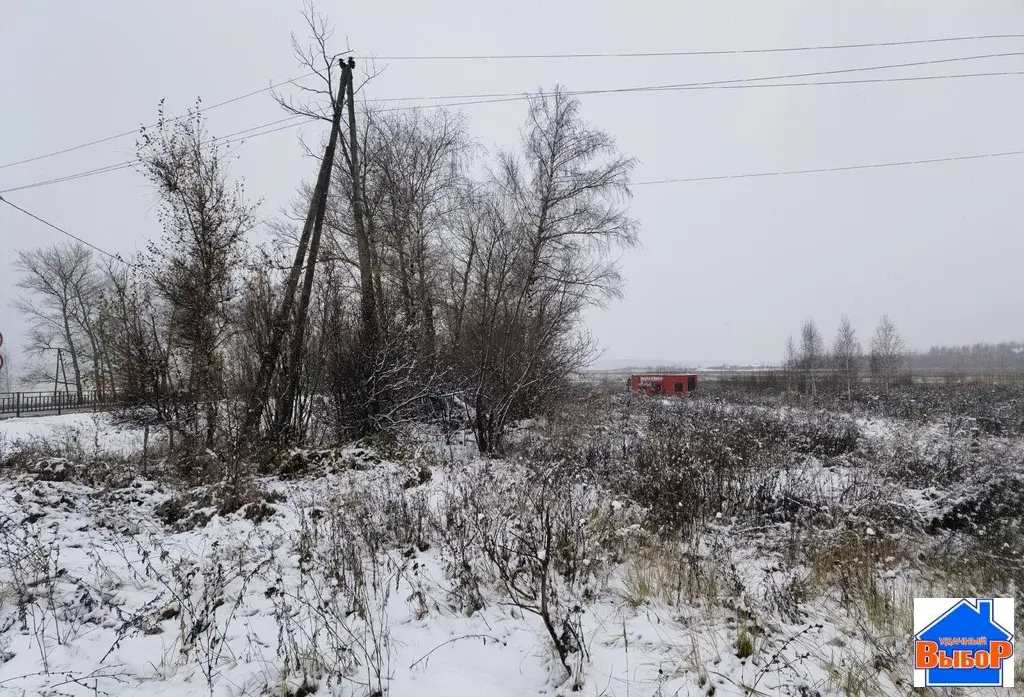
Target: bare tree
x=790, y=361
x=847, y=353
x=420, y=169
x=322, y=98
x=888, y=351
x=135, y=339
x=204, y=219
x=386, y=251
x=812, y=351
x=63, y=287
x=538, y=254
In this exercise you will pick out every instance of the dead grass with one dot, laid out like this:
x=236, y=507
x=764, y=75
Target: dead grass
x=665, y=572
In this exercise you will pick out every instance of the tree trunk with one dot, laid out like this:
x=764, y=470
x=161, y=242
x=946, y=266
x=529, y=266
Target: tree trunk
x=74, y=355
x=481, y=430
x=145, y=451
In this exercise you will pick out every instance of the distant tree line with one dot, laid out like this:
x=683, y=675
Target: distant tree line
x=1006, y=358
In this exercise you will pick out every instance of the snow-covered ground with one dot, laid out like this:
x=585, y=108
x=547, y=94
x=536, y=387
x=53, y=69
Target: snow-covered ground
x=89, y=431
x=117, y=619
x=349, y=584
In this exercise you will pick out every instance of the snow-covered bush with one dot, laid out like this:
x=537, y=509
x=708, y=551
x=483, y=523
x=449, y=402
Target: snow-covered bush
x=352, y=548
x=541, y=537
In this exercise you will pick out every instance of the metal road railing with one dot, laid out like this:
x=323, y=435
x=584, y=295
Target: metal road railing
x=24, y=403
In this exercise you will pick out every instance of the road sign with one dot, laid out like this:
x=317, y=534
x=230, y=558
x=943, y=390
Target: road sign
x=1, y=361
x=1, y=338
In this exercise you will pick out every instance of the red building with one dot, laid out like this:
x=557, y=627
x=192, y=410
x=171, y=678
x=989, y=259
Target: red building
x=676, y=385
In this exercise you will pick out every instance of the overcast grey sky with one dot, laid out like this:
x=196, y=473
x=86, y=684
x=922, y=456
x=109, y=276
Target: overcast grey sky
x=728, y=268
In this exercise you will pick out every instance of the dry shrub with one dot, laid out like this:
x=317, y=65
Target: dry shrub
x=540, y=537
x=355, y=545
x=690, y=461
x=64, y=458
x=695, y=464
x=194, y=507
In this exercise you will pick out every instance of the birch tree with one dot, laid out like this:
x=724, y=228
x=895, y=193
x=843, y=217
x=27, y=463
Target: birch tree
x=888, y=351
x=847, y=353
x=812, y=351
x=790, y=361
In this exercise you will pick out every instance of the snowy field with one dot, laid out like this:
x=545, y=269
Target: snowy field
x=429, y=575
x=92, y=433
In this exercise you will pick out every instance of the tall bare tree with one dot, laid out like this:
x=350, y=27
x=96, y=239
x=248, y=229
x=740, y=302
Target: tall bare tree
x=420, y=171
x=412, y=174
x=888, y=351
x=204, y=218
x=539, y=256
x=847, y=353
x=412, y=180
x=812, y=351
x=63, y=288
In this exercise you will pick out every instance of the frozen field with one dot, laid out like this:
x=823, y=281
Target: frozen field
x=425, y=575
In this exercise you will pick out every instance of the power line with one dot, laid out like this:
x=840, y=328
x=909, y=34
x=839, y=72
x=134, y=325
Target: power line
x=117, y=166
x=296, y=120
x=722, y=52
x=63, y=231
x=731, y=81
x=841, y=71
x=822, y=83
x=255, y=131
x=70, y=177
x=135, y=131
x=115, y=257
x=501, y=97
x=822, y=170
x=683, y=180
x=582, y=55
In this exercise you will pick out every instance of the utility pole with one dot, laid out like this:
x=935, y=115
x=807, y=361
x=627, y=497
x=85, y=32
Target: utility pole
x=56, y=372
x=295, y=351
x=58, y=369
x=282, y=320
x=368, y=305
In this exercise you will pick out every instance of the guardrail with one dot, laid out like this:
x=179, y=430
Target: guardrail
x=23, y=403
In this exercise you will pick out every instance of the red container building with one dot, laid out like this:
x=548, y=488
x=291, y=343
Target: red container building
x=669, y=385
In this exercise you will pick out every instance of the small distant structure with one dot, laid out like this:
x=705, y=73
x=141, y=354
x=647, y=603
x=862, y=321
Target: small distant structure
x=660, y=384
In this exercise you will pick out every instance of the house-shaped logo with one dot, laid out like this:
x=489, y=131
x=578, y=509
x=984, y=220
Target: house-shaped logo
x=963, y=642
